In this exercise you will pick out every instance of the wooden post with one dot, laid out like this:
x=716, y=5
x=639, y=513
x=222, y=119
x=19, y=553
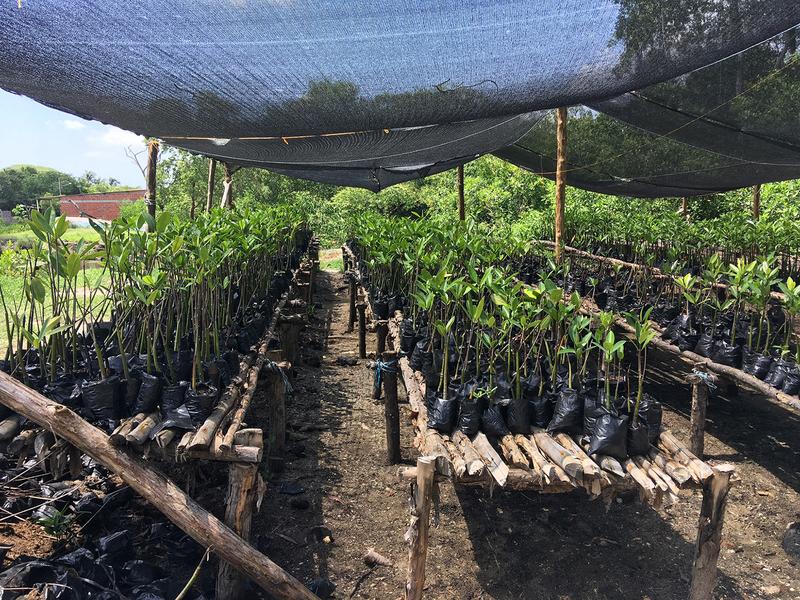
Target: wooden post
x=289, y=333
x=756, y=202
x=155, y=488
x=561, y=167
x=685, y=208
x=381, y=331
x=152, y=163
x=353, y=297
x=242, y=487
x=362, y=330
x=391, y=410
x=212, y=173
x=345, y=261
x=698, y=415
x=709, y=534
x=461, y=211
x=227, y=186
x=276, y=390
x=417, y=534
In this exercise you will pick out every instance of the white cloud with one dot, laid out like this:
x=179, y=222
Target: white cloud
x=73, y=124
x=114, y=136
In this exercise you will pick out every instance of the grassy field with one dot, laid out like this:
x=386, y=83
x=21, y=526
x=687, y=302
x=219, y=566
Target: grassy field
x=22, y=235
x=330, y=259
x=13, y=294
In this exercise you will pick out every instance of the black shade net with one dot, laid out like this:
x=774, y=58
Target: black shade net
x=732, y=124
x=417, y=86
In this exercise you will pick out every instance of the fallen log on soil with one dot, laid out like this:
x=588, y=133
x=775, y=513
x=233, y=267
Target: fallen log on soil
x=154, y=487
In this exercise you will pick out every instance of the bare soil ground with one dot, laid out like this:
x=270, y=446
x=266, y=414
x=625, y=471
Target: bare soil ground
x=515, y=544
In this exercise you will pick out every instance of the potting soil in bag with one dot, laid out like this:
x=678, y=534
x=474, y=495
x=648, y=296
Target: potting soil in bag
x=610, y=435
x=651, y=413
x=687, y=341
x=592, y=409
x=130, y=387
x=568, y=412
x=442, y=414
x=777, y=373
x=380, y=306
x=705, y=345
x=65, y=390
x=172, y=396
x=638, y=440
x=540, y=409
x=517, y=417
x=492, y=422
x=101, y=398
x=200, y=403
x=755, y=364
x=791, y=383
x=421, y=358
x=407, y=338
x=727, y=354
x=149, y=395
x=469, y=415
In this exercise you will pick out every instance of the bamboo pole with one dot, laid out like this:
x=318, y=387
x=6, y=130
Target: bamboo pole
x=561, y=166
x=154, y=487
x=152, y=164
x=417, y=534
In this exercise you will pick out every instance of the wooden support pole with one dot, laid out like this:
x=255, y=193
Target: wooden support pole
x=381, y=331
x=155, y=488
x=698, y=418
x=227, y=186
x=289, y=334
x=240, y=501
x=685, y=208
x=152, y=164
x=212, y=174
x=391, y=410
x=345, y=260
x=461, y=211
x=709, y=534
x=756, y=202
x=353, y=298
x=362, y=330
x=561, y=168
x=417, y=534
x=276, y=394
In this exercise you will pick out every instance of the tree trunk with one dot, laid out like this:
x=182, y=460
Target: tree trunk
x=152, y=163
x=212, y=173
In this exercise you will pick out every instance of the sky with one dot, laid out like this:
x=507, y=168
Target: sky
x=31, y=133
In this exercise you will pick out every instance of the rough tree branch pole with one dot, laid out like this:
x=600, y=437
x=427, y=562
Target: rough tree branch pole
x=154, y=487
x=152, y=163
x=561, y=168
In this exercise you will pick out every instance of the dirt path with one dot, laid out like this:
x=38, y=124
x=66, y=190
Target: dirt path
x=515, y=545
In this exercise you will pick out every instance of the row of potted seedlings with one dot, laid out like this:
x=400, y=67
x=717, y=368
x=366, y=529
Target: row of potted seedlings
x=154, y=316
x=499, y=355
x=727, y=312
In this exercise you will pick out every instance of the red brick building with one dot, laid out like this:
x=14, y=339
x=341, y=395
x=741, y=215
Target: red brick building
x=101, y=207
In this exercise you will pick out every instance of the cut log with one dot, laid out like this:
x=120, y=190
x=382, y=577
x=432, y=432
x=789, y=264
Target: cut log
x=513, y=455
x=644, y=465
x=9, y=427
x=640, y=477
x=709, y=534
x=474, y=462
x=497, y=468
x=457, y=460
x=671, y=444
x=559, y=455
x=677, y=472
x=155, y=488
x=539, y=462
x=697, y=424
x=164, y=437
x=205, y=433
x=141, y=433
x=117, y=436
x=590, y=468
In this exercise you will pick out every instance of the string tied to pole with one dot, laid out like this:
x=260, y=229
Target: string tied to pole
x=384, y=366
x=706, y=379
